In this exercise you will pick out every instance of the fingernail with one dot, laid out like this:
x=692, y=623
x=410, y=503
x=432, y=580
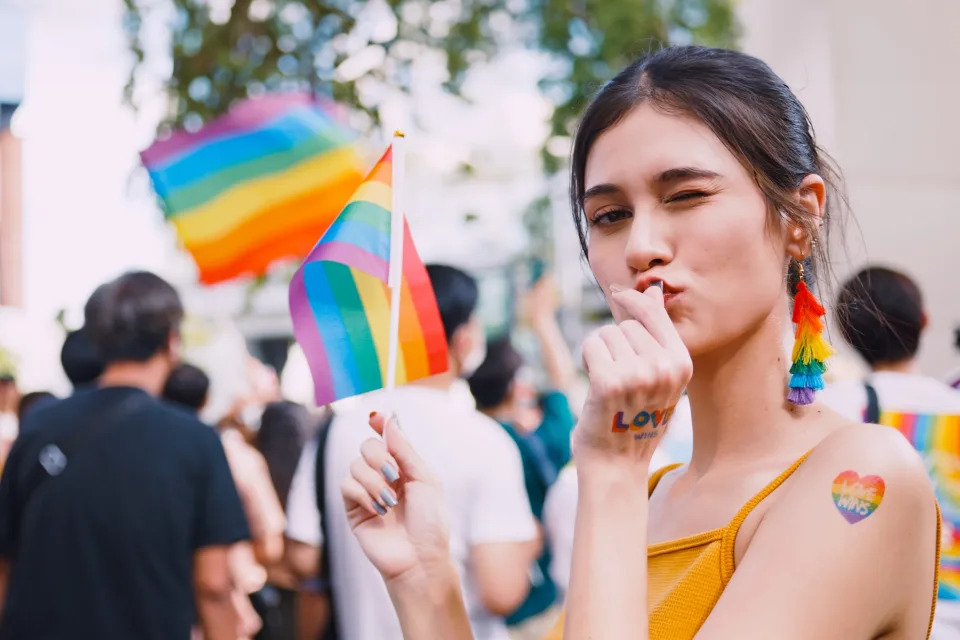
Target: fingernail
x=380, y=509
x=388, y=498
x=615, y=288
x=391, y=474
x=658, y=284
x=396, y=421
x=373, y=413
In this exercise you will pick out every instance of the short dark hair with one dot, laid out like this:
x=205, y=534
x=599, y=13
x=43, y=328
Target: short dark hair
x=80, y=358
x=132, y=318
x=490, y=383
x=33, y=400
x=880, y=313
x=188, y=386
x=456, y=293
x=747, y=106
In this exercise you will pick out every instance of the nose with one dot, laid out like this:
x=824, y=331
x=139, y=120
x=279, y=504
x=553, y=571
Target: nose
x=647, y=245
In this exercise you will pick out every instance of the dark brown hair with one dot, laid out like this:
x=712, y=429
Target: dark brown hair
x=880, y=314
x=746, y=105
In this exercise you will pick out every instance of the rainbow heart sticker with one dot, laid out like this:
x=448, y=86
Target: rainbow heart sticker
x=856, y=497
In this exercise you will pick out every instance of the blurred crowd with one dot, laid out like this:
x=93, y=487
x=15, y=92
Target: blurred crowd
x=123, y=513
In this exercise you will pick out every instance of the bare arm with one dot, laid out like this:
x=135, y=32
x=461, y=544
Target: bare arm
x=608, y=575
x=502, y=573
x=213, y=587
x=302, y=559
x=429, y=603
x=554, y=351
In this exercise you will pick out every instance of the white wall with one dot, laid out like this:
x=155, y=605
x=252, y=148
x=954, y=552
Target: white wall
x=880, y=82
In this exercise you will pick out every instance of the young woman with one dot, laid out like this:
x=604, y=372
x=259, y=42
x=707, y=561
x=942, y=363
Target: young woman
x=697, y=190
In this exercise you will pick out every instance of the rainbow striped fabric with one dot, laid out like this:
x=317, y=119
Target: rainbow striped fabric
x=937, y=439
x=340, y=301
x=258, y=184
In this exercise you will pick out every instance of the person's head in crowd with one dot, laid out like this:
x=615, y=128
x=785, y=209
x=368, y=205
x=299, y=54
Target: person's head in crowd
x=33, y=400
x=880, y=314
x=457, y=296
x=501, y=386
x=284, y=428
x=187, y=386
x=81, y=359
x=134, y=321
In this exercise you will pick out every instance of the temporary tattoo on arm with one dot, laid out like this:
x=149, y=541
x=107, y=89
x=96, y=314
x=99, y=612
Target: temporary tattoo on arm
x=857, y=497
x=644, y=424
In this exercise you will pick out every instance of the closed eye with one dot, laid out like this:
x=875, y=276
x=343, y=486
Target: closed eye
x=686, y=196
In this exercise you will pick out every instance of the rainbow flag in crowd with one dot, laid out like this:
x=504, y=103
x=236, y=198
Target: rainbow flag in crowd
x=340, y=300
x=937, y=439
x=256, y=185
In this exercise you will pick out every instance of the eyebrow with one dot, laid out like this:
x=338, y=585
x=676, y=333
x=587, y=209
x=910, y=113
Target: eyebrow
x=664, y=177
x=684, y=173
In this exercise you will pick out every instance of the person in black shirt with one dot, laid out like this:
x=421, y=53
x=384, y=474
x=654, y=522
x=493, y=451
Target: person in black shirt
x=117, y=511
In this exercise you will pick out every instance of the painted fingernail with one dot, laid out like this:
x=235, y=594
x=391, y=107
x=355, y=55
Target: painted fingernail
x=388, y=498
x=380, y=508
x=373, y=413
x=658, y=284
x=389, y=472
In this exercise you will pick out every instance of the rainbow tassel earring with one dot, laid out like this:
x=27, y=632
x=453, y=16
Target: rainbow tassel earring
x=810, y=350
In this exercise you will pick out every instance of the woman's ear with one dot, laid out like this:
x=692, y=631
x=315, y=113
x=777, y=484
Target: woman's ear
x=812, y=196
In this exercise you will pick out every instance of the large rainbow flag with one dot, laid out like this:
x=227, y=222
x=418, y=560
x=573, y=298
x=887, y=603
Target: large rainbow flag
x=937, y=439
x=340, y=300
x=258, y=184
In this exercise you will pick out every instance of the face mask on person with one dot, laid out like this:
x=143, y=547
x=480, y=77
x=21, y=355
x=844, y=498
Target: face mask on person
x=470, y=339
x=474, y=359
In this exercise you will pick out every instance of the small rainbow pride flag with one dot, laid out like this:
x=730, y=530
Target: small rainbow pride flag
x=256, y=185
x=340, y=300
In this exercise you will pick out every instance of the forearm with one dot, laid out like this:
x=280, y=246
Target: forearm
x=218, y=617
x=608, y=581
x=429, y=605
x=556, y=355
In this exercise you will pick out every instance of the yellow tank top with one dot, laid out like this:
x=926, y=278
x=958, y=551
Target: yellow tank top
x=685, y=577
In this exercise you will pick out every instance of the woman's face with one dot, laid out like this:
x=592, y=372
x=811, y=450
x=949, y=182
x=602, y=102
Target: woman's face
x=665, y=200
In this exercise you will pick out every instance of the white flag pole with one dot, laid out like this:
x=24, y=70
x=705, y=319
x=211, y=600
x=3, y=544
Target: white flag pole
x=395, y=274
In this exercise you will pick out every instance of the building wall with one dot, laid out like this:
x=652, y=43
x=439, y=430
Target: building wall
x=880, y=86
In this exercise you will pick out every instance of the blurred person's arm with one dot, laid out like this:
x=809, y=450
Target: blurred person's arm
x=221, y=523
x=213, y=588
x=554, y=351
x=304, y=538
x=258, y=496
x=503, y=536
x=502, y=573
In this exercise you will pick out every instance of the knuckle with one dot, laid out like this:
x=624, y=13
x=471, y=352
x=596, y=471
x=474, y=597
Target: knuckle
x=608, y=331
x=608, y=387
x=358, y=467
x=371, y=448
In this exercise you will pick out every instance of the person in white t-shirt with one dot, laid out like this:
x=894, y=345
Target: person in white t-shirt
x=494, y=537
x=880, y=313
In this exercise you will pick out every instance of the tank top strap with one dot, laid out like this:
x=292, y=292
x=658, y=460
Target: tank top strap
x=656, y=475
x=731, y=530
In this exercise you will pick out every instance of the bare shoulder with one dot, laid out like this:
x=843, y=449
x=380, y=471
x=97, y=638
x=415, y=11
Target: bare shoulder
x=853, y=536
x=871, y=450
